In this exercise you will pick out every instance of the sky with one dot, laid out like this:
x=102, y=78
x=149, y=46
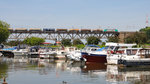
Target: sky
x=124, y=15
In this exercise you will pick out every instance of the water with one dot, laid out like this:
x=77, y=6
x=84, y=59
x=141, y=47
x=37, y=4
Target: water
x=45, y=71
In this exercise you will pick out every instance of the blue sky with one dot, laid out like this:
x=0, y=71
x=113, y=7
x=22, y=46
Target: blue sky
x=120, y=14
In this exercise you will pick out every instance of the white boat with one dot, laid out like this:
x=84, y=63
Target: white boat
x=33, y=52
x=75, y=55
x=21, y=50
x=135, y=57
x=117, y=52
x=46, y=53
x=100, y=55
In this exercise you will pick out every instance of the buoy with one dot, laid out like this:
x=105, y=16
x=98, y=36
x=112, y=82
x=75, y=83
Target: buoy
x=4, y=81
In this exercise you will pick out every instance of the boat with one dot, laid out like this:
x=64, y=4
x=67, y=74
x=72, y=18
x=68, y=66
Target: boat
x=99, y=54
x=46, y=53
x=88, y=48
x=74, y=55
x=21, y=50
x=113, y=56
x=33, y=52
x=135, y=57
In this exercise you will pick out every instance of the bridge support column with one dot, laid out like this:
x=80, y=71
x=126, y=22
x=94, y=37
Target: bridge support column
x=123, y=35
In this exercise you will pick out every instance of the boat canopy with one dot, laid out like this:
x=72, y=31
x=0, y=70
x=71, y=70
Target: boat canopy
x=92, y=46
x=100, y=49
x=120, y=44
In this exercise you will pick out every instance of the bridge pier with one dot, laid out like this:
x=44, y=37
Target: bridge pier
x=123, y=35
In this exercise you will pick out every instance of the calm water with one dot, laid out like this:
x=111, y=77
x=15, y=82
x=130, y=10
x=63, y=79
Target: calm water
x=44, y=71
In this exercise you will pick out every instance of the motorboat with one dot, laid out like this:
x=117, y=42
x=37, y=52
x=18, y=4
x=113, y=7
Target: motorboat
x=21, y=50
x=100, y=55
x=114, y=55
x=135, y=57
x=33, y=52
x=46, y=53
x=75, y=55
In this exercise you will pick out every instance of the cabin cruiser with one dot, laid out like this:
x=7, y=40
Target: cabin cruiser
x=46, y=53
x=21, y=50
x=135, y=57
x=99, y=55
x=33, y=52
x=114, y=55
x=75, y=55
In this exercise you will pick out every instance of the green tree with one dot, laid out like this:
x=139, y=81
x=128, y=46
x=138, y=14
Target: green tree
x=77, y=42
x=66, y=42
x=4, y=33
x=33, y=41
x=146, y=30
x=113, y=39
x=93, y=40
x=138, y=38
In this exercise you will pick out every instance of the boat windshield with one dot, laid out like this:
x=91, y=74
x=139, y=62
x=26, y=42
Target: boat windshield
x=106, y=47
x=131, y=51
x=111, y=48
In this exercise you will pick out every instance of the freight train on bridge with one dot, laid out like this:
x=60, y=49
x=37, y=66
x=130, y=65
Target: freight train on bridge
x=59, y=34
x=51, y=30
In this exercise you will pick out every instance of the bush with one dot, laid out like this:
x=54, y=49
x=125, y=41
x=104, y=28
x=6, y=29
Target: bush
x=66, y=42
x=93, y=40
x=33, y=41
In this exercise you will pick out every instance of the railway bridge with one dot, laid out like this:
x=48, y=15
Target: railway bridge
x=59, y=34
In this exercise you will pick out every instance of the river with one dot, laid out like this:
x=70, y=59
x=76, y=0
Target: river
x=49, y=71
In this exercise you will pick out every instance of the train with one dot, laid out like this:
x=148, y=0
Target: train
x=47, y=30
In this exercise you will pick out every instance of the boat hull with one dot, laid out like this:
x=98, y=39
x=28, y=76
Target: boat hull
x=134, y=62
x=20, y=53
x=95, y=58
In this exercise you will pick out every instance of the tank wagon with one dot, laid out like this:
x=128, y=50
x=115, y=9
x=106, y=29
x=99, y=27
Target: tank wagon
x=10, y=29
x=85, y=30
x=35, y=30
x=21, y=30
x=73, y=30
x=48, y=30
x=61, y=30
x=97, y=30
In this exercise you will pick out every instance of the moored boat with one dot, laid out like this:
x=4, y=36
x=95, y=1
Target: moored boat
x=113, y=56
x=135, y=57
x=46, y=53
x=100, y=54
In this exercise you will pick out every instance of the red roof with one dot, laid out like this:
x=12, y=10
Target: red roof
x=46, y=43
x=58, y=42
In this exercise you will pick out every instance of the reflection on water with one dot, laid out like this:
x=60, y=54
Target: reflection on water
x=134, y=75
x=47, y=71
